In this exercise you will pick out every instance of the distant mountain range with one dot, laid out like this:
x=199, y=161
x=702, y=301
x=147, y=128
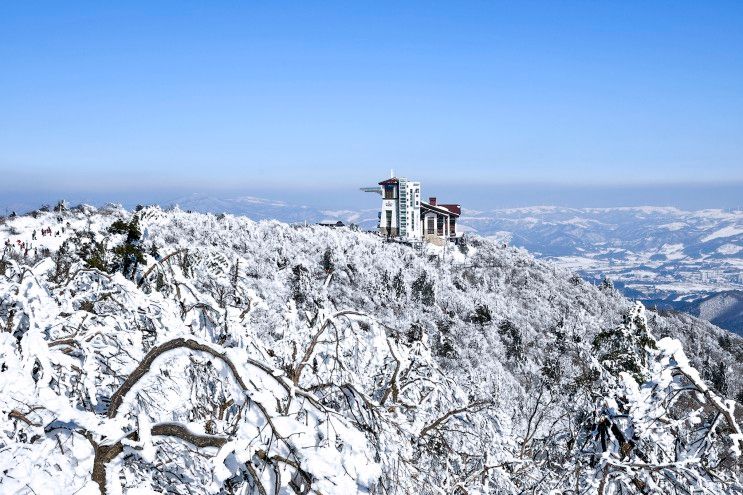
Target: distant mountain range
x=689, y=261
x=676, y=259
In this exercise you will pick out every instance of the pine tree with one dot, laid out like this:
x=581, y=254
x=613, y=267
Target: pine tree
x=94, y=255
x=62, y=263
x=717, y=376
x=385, y=282
x=512, y=340
x=482, y=315
x=131, y=252
x=154, y=251
x=422, y=290
x=327, y=261
x=606, y=284
x=398, y=285
x=625, y=348
x=299, y=284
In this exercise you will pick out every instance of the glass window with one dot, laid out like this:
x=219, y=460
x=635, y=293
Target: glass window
x=430, y=225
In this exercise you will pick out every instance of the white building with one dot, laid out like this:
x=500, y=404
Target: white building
x=405, y=217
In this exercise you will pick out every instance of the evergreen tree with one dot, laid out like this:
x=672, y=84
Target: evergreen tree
x=130, y=253
x=512, y=340
x=327, y=261
x=398, y=285
x=625, y=348
x=415, y=333
x=300, y=284
x=62, y=262
x=717, y=376
x=385, y=282
x=422, y=290
x=482, y=315
x=154, y=251
x=94, y=255
x=462, y=245
x=87, y=249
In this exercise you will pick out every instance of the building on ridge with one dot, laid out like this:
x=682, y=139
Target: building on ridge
x=406, y=218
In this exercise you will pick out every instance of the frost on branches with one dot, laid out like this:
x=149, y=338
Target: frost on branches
x=658, y=428
x=168, y=352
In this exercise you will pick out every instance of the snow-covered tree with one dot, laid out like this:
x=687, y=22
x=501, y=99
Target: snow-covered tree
x=239, y=357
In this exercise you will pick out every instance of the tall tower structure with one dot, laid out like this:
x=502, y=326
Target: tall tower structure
x=400, y=213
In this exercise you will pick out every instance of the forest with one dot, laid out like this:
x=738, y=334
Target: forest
x=164, y=351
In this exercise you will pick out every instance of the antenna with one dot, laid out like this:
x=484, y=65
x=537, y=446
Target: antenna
x=392, y=173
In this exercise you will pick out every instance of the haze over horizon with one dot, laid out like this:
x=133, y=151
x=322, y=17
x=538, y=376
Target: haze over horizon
x=683, y=196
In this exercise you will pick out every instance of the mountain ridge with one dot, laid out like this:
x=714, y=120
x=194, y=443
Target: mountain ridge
x=664, y=255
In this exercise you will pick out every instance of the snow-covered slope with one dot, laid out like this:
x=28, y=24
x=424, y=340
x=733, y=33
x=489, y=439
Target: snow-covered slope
x=187, y=352
x=662, y=255
x=724, y=309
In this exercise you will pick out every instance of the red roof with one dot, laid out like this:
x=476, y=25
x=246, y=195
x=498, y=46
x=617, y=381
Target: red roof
x=457, y=209
x=389, y=182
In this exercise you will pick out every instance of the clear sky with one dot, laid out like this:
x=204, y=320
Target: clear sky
x=182, y=96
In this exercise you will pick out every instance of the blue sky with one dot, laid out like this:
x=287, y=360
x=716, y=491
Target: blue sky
x=181, y=96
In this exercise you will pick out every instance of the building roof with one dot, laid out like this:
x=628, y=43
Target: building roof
x=456, y=209
x=440, y=209
x=389, y=182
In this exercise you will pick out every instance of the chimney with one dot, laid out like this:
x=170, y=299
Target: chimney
x=432, y=201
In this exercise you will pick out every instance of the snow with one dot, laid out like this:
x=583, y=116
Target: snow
x=346, y=215
x=641, y=236
x=556, y=232
x=348, y=372
x=729, y=231
x=717, y=305
x=674, y=226
x=673, y=251
x=729, y=249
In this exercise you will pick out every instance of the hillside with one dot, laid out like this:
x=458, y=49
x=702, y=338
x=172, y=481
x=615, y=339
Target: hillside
x=165, y=351
x=664, y=256
x=724, y=309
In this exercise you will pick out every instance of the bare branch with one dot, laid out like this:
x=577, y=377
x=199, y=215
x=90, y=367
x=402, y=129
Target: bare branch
x=474, y=406
x=106, y=453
